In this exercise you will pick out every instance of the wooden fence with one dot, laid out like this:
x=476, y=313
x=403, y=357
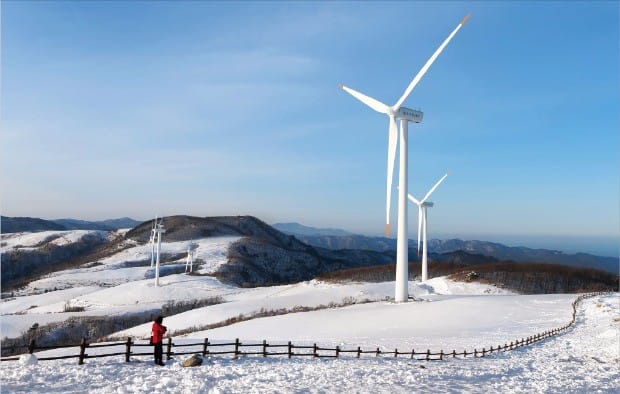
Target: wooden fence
x=238, y=349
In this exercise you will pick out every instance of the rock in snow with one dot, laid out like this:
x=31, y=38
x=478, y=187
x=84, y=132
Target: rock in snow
x=194, y=361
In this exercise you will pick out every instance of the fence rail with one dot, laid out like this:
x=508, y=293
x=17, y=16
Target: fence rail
x=293, y=350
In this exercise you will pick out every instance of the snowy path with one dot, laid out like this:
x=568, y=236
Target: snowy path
x=585, y=359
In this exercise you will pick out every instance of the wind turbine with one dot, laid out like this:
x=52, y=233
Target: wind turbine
x=405, y=115
x=422, y=223
x=159, y=229
x=189, y=263
x=152, y=242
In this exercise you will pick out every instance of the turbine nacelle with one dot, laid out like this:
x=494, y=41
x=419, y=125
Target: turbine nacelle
x=427, y=204
x=409, y=114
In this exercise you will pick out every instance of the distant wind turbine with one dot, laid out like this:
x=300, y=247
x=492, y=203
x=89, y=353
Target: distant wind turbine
x=405, y=115
x=152, y=242
x=159, y=230
x=422, y=223
x=189, y=263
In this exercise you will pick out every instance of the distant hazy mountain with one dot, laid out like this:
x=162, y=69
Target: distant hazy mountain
x=26, y=224
x=491, y=249
x=109, y=224
x=523, y=254
x=16, y=225
x=299, y=229
x=120, y=223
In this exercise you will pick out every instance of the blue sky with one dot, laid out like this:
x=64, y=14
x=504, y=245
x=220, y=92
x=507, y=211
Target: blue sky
x=206, y=108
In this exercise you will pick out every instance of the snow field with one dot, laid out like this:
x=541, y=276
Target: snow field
x=31, y=240
x=584, y=359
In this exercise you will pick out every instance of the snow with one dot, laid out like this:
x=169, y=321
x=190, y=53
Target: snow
x=439, y=322
x=114, y=285
x=445, y=315
x=584, y=359
x=27, y=240
x=28, y=359
x=305, y=294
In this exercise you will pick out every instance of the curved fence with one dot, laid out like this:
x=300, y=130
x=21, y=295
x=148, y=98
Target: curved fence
x=236, y=349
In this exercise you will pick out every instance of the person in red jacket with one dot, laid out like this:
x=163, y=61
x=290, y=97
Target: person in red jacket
x=157, y=336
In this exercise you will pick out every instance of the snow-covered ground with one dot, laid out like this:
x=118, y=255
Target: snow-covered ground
x=585, y=359
x=445, y=315
x=33, y=240
x=113, y=285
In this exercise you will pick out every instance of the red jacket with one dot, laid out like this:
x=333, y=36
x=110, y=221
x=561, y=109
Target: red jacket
x=157, y=332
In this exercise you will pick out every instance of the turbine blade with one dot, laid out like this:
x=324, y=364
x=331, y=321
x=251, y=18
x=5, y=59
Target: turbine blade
x=426, y=66
x=369, y=101
x=392, y=143
x=433, y=188
x=413, y=199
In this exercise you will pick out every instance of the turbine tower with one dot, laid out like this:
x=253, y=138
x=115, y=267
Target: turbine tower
x=189, y=263
x=405, y=115
x=422, y=223
x=159, y=229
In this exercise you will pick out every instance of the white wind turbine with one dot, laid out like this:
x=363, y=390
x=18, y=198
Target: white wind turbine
x=152, y=242
x=405, y=115
x=159, y=230
x=423, y=204
x=189, y=263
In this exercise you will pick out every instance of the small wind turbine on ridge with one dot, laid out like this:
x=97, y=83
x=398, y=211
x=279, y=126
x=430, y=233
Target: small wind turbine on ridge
x=159, y=230
x=423, y=204
x=189, y=263
x=405, y=115
x=152, y=242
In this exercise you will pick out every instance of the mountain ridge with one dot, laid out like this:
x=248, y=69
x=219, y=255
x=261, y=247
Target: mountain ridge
x=29, y=224
x=486, y=248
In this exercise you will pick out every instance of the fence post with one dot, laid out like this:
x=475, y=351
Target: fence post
x=491, y=350
x=453, y=353
x=412, y=353
x=82, y=351
x=337, y=351
x=264, y=348
x=314, y=351
x=464, y=353
x=31, y=346
x=359, y=352
x=428, y=354
x=396, y=352
x=128, y=349
x=475, y=353
x=169, y=349
x=236, y=348
x=441, y=354
x=290, y=349
x=204, y=347
x=378, y=352
x=483, y=352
